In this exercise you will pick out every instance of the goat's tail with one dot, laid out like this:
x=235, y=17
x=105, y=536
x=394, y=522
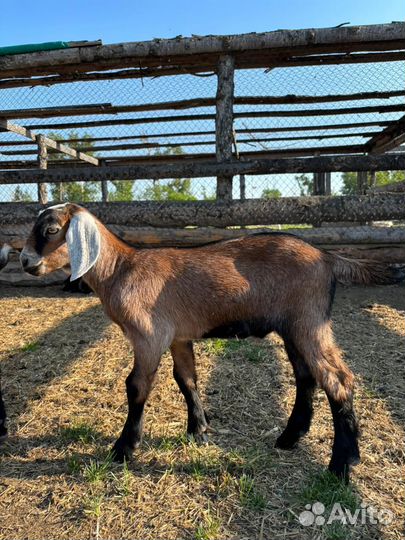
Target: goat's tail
x=364, y=271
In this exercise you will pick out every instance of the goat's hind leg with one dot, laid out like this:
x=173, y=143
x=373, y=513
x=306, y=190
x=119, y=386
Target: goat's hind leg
x=326, y=364
x=301, y=416
x=185, y=375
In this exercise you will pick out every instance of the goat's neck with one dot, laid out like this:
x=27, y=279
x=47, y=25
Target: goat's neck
x=113, y=253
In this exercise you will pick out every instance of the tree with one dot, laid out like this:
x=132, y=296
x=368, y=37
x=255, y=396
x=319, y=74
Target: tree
x=122, y=190
x=74, y=191
x=178, y=189
x=271, y=193
x=175, y=190
x=21, y=195
x=382, y=178
x=305, y=184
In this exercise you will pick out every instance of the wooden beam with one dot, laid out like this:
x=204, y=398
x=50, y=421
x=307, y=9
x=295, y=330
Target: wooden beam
x=359, y=236
x=201, y=158
x=108, y=108
x=356, y=38
x=224, y=123
x=380, y=109
x=231, y=213
x=43, y=165
x=50, y=112
x=20, y=130
x=388, y=139
x=191, y=169
x=176, y=144
x=261, y=60
x=281, y=129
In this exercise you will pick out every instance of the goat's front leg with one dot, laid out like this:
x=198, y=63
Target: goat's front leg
x=186, y=377
x=138, y=384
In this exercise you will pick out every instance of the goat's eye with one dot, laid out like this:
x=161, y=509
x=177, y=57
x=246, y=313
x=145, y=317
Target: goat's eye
x=53, y=229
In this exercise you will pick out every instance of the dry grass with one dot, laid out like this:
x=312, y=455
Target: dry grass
x=63, y=371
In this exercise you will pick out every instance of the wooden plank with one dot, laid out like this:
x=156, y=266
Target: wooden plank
x=175, y=144
x=201, y=158
x=232, y=213
x=108, y=108
x=281, y=129
x=388, y=139
x=224, y=122
x=20, y=130
x=380, y=109
x=356, y=38
x=261, y=60
x=364, y=236
x=50, y=112
x=191, y=169
x=43, y=165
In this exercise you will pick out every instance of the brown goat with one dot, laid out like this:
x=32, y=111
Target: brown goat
x=246, y=287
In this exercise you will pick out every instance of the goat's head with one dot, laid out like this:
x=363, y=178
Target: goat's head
x=63, y=235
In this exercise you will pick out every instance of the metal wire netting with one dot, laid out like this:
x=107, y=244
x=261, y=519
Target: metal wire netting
x=310, y=128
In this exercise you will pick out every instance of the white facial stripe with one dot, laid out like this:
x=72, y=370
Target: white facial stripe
x=54, y=207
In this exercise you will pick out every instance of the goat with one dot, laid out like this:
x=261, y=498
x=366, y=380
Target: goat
x=4, y=255
x=250, y=286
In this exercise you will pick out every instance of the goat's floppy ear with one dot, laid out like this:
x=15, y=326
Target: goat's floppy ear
x=83, y=242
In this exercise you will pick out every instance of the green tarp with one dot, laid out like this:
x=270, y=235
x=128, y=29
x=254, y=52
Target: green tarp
x=33, y=47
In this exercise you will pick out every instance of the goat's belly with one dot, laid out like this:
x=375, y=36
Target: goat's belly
x=258, y=327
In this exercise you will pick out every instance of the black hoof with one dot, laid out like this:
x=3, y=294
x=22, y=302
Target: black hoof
x=121, y=452
x=341, y=468
x=286, y=441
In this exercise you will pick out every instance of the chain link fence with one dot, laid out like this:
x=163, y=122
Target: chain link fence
x=330, y=127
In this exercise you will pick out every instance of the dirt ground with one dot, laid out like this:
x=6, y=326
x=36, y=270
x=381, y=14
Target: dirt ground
x=63, y=370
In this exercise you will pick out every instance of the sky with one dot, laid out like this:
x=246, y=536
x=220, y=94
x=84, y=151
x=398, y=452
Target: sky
x=24, y=21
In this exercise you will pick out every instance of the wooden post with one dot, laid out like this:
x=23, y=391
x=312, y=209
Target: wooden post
x=322, y=183
x=242, y=185
x=371, y=179
x=361, y=182
x=43, y=164
x=104, y=186
x=224, y=122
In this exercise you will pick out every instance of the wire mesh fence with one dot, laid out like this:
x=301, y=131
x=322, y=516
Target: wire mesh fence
x=372, y=96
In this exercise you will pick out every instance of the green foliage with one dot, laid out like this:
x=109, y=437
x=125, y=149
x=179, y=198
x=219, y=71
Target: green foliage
x=229, y=348
x=248, y=494
x=74, y=191
x=79, y=432
x=122, y=190
x=30, y=347
x=175, y=190
x=178, y=189
x=21, y=195
x=97, y=471
x=382, y=178
x=305, y=184
x=271, y=193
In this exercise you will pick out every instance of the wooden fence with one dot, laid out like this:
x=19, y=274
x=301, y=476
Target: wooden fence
x=204, y=56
